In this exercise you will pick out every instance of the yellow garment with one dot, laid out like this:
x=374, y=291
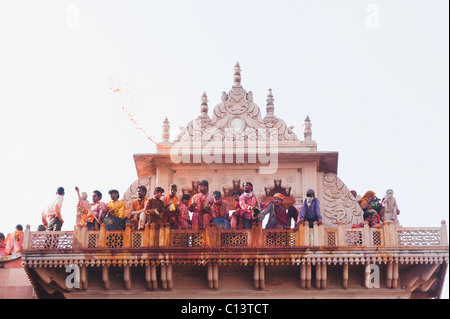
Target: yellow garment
x=366, y=197
x=116, y=208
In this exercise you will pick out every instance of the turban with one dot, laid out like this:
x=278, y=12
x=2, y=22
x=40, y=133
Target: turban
x=367, y=196
x=278, y=195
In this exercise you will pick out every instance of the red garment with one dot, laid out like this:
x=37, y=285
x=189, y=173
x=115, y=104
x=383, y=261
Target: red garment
x=284, y=220
x=203, y=203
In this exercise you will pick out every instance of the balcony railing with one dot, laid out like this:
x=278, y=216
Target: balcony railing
x=211, y=237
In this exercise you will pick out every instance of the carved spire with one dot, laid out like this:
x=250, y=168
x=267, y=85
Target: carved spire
x=237, y=74
x=270, y=106
x=307, y=131
x=204, y=106
x=166, y=133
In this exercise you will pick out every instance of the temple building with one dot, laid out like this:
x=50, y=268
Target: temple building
x=229, y=144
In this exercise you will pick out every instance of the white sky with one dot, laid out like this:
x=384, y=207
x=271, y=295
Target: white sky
x=378, y=96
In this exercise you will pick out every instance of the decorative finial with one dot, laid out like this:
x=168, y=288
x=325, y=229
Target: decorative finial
x=204, y=105
x=237, y=74
x=270, y=106
x=166, y=133
x=307, y=131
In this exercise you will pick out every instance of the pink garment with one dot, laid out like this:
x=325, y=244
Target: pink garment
x=99, y=209
x=235, y=218
x=15, y=243
x=184, y=216
x=246, y=201
x=198, y=217
x=218, y=211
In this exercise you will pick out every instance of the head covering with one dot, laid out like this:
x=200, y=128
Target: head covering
x=279, y=195
x=310, y=192
x=366, y=197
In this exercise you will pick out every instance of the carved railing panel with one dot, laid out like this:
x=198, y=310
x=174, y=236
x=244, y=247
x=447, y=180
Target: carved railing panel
x=419, y=236
x=354, y=237
x=235, y=238
x=280, y=238
x=331, y=237
x=92, y=239
x=115, y=239
x=238, y=238
x=187, y=238
x=376, y=237
x=137, y=239
x=51, y=240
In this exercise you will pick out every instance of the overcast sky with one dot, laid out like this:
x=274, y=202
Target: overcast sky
x=372, y=76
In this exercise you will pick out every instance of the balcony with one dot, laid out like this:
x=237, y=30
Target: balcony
x=412, y=261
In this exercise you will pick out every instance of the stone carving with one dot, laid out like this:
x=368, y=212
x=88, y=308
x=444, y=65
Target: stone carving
x=277, y=188
x=193, y=190
x=307, y=131
x=390, y=208
x=228, y=191
x=339, y=205
x=237, y=118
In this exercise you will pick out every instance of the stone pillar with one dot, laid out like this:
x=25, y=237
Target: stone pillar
x=303, y=275
x=262, y=277
x=148, y=276
x=102, y=236
x=127, y=237
x=444, y=239
x=324, y=275
x=341, y=235
x=27, y=238
x=105, y=275
x=127, y=276
x=345, y=275
x=84, y=277
x=169, y=276
x=318, y=274
x=163, y=267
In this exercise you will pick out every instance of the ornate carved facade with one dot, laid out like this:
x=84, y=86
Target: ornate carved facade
x=238, y=144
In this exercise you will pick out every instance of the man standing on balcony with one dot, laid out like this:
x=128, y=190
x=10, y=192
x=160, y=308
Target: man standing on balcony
x=153, y=210
x=184, y=217
x=310, y=211
x=219, y=209
x=236, y=219
x=52, y=213
x=278, y=218
x=98, y=207
x=250, y=206
x=116, y=209
x=201, y=204
x=138, y=205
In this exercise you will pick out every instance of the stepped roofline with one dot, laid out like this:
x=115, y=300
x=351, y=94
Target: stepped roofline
x=236, y=125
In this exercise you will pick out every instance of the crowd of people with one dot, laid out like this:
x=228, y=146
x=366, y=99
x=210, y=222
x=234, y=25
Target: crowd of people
x=12, y=243
x=188, y=212
x=183, y=212
x=377, y=211
x=197, y=212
